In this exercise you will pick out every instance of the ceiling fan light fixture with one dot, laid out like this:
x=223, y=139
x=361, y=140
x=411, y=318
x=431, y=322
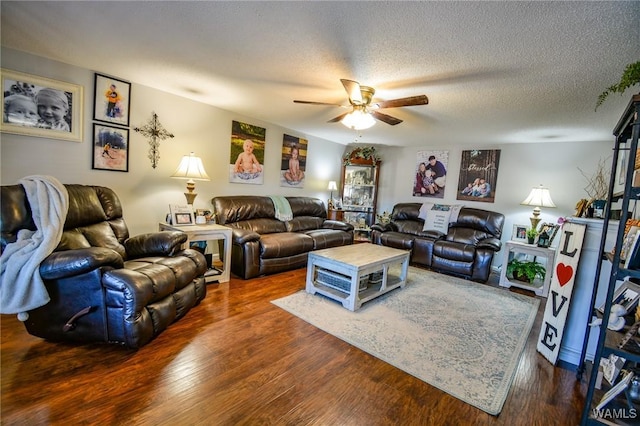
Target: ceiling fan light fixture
x=358, y=119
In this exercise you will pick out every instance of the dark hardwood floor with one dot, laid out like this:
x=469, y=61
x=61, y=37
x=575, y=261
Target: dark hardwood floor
x=237, y=359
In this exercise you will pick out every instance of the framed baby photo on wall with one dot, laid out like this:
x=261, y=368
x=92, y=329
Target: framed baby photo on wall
x=111, y=101
x=41, y=107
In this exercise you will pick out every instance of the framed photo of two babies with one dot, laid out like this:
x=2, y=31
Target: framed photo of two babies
x=41, y=107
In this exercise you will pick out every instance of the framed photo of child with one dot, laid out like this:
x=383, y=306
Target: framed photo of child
x=110, y=148
x=112, y=99
x=247, y=153
x=294, y=161
x=40, y=107
x=478, y=175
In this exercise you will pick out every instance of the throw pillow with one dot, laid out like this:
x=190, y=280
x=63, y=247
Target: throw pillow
x=437, y=219
x=455, y=211
x=424, y=209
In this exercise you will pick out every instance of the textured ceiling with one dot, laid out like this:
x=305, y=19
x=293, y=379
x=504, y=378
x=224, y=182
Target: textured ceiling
x=494, y=72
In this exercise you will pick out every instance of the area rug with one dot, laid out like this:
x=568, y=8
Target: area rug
x=462, y=337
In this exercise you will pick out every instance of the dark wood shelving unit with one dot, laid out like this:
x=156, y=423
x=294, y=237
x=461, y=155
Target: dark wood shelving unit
x=626, y=139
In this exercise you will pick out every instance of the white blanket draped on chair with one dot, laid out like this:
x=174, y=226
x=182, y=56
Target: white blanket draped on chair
x=21, y=287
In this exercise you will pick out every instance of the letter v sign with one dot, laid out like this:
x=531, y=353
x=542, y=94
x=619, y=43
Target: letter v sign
x=557, y=307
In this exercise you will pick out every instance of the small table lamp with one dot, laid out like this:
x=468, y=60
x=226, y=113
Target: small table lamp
x=331, y=187
x=190, y=168
x=538, y=197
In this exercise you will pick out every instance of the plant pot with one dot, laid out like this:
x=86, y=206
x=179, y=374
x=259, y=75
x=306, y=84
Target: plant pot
x=531, y=240
x=522, y=278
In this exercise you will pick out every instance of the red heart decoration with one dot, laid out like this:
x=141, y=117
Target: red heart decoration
x=564, y=273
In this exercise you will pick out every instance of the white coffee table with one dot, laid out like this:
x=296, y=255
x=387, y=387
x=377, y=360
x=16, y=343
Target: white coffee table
x=338, y=272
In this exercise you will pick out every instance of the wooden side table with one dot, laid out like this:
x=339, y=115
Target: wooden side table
x=333, y=214
x=549, y=254
x=207, y=232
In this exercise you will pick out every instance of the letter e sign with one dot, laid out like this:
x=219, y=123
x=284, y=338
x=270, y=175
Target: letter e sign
x=559, y=299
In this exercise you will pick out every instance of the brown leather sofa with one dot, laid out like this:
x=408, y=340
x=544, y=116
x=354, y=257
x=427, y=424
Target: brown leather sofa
x=262, y=244
x=466, y=250
x=105, y=286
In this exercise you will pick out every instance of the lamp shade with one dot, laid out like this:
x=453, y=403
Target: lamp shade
x=332, y=185
x=539, y=197
x=190, y=167
x=358, y=119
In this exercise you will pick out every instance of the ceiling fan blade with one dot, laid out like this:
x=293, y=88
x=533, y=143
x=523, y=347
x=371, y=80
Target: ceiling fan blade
x=353, y=90
x=386, y=118
x=410, y=101
x=317, y=103
x=338, y=118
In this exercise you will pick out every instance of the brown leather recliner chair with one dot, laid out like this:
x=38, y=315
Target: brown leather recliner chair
x=103, y=285
x=466, y=250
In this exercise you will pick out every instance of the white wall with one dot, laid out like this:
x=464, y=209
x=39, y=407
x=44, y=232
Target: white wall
x=145, y=192
x=522, y=166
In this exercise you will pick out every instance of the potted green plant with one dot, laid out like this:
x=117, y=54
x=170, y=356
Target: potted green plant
x=630, y=77
x=526, y=271
x=531, y=235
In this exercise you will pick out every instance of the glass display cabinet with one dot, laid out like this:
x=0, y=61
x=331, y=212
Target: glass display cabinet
x=360, y=175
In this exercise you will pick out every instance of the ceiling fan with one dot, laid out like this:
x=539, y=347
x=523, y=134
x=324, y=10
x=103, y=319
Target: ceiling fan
x=363, y=111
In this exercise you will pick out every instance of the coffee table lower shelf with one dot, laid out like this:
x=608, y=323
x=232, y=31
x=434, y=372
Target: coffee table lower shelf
x=371, y=292
x=353, y=275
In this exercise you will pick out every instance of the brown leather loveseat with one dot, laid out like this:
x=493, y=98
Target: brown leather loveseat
x=466, y=249
x=262, y=244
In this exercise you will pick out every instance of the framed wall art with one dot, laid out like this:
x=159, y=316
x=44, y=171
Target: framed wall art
x=247, y=153
x=478, y=175
x=431, y=174
x=294, y=161
x=112, y=99
x=110, y=148
x=41, y=107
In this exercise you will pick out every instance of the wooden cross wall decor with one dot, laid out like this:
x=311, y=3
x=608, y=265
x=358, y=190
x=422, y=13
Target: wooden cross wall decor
x=155, y=132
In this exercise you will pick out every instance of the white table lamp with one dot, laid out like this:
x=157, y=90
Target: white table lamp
x=538, y=197
x=190, y=168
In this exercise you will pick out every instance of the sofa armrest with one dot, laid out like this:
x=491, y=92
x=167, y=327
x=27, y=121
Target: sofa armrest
x=68, y=263
x=242, y=236
x=165, y=243
x=336, y=224
x=386, y=227
x=490, y=243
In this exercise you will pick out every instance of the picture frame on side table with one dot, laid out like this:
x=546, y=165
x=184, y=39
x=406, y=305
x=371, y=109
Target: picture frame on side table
x=110, y=148
x=41, y=107
x=551, y=230
x=181, y=214
x=111, y=100
x=519, y=233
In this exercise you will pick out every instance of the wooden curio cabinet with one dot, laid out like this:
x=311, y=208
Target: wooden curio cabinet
x=360, y=175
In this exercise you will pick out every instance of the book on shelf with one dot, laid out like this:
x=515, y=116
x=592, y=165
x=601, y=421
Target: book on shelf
x=615, y=390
